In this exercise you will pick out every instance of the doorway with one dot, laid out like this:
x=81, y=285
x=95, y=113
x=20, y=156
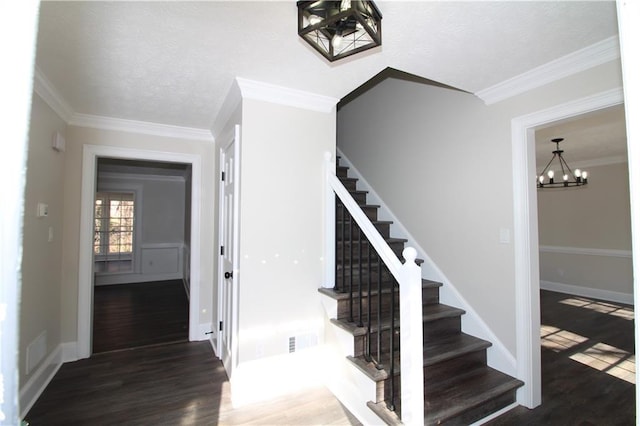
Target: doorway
x=141, y=247
x=228, y=234
x=527, y=276
x=91, y=153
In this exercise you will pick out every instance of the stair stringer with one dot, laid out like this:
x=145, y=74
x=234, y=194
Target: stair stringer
x=351, y=386
x=498, y=356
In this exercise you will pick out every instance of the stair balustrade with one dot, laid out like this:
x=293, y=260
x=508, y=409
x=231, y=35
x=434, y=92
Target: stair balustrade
x=367, y=268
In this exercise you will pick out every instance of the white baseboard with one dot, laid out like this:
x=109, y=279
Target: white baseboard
x=40, y=378
x=115, y=279
x=596, y=293
x=69, y=351
x=205, y=330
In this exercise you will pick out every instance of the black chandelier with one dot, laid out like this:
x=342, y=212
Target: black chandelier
x=338, y=29
x=569, y=178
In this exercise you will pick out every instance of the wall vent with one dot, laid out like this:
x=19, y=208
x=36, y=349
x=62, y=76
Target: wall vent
x=302, y=341
x=36, y=351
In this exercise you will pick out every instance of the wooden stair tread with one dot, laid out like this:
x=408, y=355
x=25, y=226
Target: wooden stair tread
x=451, y=347
x=459, y=397
x=389, y=240
x=332, y=293
x=448, y=399
x=444, y=349
x=431, y=312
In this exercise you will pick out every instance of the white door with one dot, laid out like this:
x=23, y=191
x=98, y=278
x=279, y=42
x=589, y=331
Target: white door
x=228, y=234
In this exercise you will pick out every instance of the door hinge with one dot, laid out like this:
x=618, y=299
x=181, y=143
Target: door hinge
x=220, y=325
x=223, y=176
x=221, y=250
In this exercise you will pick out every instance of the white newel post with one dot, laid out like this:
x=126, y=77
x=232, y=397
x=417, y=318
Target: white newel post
x=329, y=222
x=411, y=353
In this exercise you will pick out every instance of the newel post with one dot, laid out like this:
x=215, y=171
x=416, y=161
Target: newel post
x=411, y=354
x=329, y=255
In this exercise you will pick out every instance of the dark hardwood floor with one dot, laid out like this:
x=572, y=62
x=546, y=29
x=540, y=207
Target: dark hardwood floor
x=175, y=384
x=588, y=364
x=133, y=315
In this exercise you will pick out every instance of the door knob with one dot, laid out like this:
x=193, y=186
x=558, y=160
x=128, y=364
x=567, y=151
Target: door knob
x=228, y=275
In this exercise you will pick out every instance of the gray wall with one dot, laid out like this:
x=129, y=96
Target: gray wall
x=585, y=233
x=441, y=161
x=41, y=258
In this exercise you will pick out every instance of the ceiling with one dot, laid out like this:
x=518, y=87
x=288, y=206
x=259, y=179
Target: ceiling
x=590, y=139
x=174, y=62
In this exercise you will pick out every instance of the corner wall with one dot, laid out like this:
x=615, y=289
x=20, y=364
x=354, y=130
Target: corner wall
x=281, y=248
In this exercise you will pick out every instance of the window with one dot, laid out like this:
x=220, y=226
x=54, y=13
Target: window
x=113, y=239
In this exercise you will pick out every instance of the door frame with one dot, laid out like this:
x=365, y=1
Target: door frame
x=90, y=155
x=525, y=235
x=233, y=137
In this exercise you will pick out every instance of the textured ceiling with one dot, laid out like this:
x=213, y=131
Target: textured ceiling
x=173, y=62
x=597, y=137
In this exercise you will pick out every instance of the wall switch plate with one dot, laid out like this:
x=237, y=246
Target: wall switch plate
x=43, y=210
x=505, y=235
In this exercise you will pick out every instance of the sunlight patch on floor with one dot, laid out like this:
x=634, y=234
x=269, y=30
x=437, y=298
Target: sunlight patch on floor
x=609, y=359
x=601, y=307
x=559, y=340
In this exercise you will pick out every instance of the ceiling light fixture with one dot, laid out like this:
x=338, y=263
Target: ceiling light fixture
x=569, y=178
x=338, y=29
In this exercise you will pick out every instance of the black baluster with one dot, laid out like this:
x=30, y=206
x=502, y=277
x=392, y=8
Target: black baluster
x=367, y=354
x=392, y=353
x=350, y=268
x=379, y=364
x=360, y=277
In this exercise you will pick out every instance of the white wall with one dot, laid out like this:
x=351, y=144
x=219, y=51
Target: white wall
x=441, y=160
x=77, y=137
x=585, y=233
x=42, y=259
x=281, y=241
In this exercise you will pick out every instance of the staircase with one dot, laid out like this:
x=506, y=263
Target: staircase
x=459, y=387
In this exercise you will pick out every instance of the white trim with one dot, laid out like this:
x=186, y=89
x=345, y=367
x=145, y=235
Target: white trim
x=233, y=137
x=47, y=91
x=498, y=355
x=595, y=293
x=257, y=90
x=141, y=176
x=575, y=62
x=495, y=414
x=526, y=234
x=586, y=251
x=85, y=270
x=39, y=380
x=142, y=127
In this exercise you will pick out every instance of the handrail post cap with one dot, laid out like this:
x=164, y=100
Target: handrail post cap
x=410, y=254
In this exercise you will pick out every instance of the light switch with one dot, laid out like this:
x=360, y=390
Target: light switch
x=50, y=234
x=505, y=236
x=43, y=210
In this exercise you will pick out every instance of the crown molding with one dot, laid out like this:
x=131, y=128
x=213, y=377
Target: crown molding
x=257, y=90
x=580, y=60
x=47, y=91
x=143, y=127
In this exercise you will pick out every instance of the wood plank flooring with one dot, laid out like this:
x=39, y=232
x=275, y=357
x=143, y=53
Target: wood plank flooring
x=176, y=384
x=587, y=358
x=140, y=314
x=184, y=384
